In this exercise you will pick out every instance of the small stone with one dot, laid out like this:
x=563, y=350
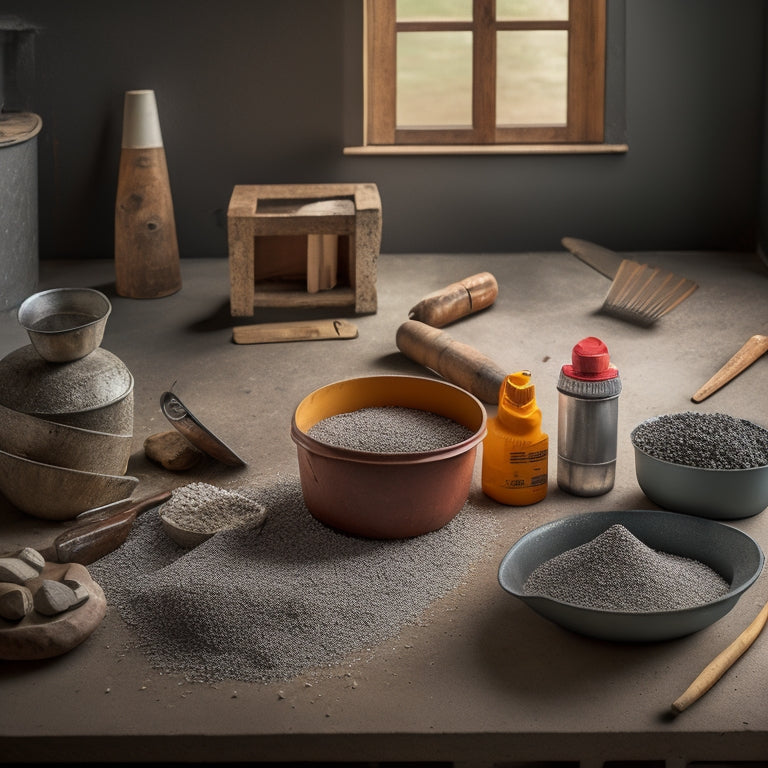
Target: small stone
x=32, y=558
x=16, y=571
x=78, y=590
x=15, y=601
x=172, y=451
x=53, y=597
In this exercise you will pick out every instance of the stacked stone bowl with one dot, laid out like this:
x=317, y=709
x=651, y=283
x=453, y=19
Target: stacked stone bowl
x=66, y=409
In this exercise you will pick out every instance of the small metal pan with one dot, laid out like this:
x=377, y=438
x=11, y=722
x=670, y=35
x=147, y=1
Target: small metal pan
x=181, y=418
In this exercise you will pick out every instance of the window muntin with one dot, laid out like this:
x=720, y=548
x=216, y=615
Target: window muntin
x=568, y=82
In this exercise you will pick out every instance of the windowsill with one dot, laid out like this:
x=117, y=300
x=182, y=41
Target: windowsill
x=487, y=149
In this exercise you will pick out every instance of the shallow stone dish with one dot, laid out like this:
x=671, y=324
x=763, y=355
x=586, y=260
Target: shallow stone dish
x=57, y=493
x=387, y=495
x=727, y=550
x=65, y=324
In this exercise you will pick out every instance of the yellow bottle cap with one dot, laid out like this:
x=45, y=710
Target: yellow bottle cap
x=518, y=388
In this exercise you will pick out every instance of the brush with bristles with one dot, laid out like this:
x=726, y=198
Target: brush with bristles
x=639, y=293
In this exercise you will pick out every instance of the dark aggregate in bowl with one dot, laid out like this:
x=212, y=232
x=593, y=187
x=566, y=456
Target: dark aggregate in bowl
x=705, y=440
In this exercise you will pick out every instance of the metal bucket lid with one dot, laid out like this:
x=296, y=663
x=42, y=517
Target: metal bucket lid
x=31, y=385
x=16, y=127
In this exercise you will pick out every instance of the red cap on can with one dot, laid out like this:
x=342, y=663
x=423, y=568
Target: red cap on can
x=590, y=361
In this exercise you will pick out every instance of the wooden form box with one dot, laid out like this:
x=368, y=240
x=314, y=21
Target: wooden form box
x=276, y=255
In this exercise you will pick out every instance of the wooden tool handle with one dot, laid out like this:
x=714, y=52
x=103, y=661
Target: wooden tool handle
x=456, y=300
x=722, y=663
x=755, y=347
x=453, y=360
x=99, y=534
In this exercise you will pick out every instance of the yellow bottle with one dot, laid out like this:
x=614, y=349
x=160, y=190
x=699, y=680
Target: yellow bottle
x=515, y=450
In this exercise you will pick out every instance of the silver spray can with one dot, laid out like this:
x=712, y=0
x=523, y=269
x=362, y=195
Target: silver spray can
x=587, y=425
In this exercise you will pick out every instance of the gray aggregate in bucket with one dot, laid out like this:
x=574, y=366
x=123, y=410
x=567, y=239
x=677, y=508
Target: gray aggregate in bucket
x=298, y=596
x=390, y=429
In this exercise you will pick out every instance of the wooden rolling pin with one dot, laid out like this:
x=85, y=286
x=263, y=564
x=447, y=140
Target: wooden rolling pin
x=456, y=300
x=453, y=360
x=755, y=347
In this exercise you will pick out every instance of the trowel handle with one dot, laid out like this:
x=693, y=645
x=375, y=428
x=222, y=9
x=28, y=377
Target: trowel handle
x=755, y=347
x=99, y=534
x=456, y=300
x=453, y=360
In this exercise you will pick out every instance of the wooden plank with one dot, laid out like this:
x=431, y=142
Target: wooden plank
x=299, y=330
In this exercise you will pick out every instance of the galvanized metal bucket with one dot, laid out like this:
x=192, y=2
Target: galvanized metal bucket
x=19, y=262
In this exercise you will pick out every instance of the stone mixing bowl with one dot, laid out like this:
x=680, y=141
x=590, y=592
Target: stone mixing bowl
x=60, y=444
x=386, y=495
x=57, y=493
x=721, y=494
x=65, y=324
x=94, y=392
x=729, y=551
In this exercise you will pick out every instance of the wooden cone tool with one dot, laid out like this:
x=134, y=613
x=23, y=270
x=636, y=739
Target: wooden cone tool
x=146, y=249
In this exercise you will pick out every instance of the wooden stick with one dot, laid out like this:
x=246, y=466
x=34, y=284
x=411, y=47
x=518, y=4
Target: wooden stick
x=721, y=663
x=756, y=346
x=294, y=330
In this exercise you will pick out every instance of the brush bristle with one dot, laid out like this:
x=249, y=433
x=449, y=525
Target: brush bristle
x=642, y=294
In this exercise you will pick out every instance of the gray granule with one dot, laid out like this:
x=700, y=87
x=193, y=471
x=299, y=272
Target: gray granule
x=616, y=571
x=704, y=440
x=389, y=429
x=292, y=599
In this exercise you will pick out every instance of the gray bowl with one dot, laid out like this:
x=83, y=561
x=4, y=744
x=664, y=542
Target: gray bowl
x=721, y=494
x=730, y=552
x=65, y=324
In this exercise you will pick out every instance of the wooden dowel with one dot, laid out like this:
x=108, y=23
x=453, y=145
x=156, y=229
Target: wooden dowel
x=756, y=346
x=721, y=663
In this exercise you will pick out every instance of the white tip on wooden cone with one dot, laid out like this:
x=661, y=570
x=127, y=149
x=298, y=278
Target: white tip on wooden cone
x=141, y=122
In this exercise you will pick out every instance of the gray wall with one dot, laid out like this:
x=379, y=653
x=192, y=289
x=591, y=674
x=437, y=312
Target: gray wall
x=268, y=91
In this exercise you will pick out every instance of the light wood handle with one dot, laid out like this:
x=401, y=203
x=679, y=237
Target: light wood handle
x=755, y=347
x=721, y=663
x=456, y=300
x=453, y=360
x=297, y=330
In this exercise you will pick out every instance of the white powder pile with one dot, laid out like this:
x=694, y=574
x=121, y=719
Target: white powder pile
x=616, y=571
x=268, y=606
x=205, y=508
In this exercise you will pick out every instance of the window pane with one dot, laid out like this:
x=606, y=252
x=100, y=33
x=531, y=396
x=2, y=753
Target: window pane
x=434, y=79
x=531, y=9
x=434, y=9
x=531, y=86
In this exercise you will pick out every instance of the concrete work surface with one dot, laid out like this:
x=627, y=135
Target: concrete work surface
x=483, y=680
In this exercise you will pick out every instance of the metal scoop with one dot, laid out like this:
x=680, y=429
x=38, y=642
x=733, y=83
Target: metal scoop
x=201, y=437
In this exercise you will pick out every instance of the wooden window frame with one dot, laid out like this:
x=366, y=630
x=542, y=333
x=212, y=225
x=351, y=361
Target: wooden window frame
x=586, y=28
